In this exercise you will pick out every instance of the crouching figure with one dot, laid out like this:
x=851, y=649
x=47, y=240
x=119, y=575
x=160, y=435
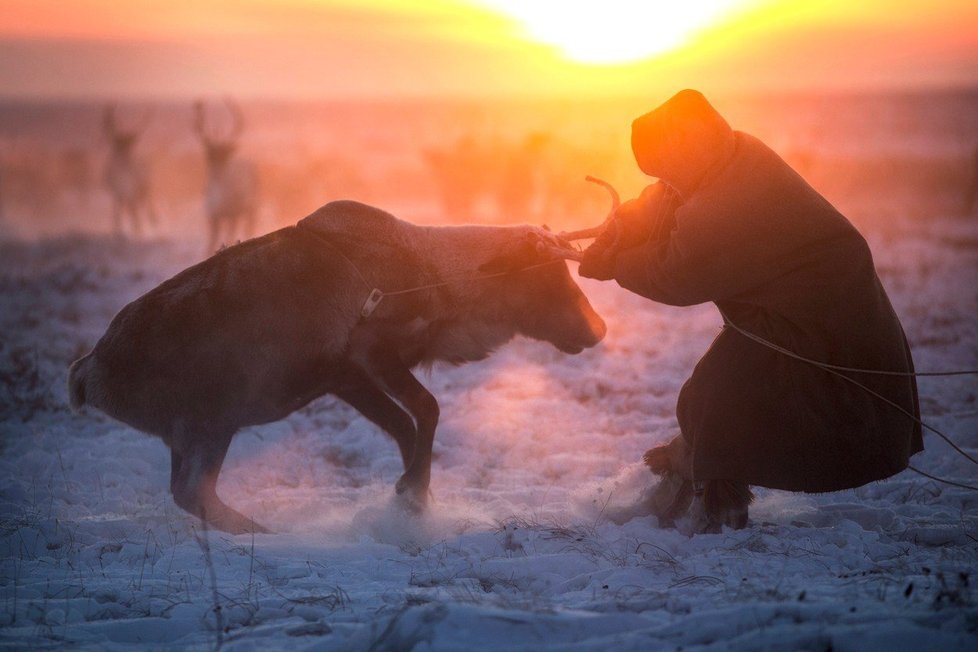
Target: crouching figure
x=346, y=302
x=730, y=222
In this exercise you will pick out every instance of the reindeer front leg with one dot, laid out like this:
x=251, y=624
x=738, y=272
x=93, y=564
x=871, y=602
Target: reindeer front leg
x=401, y=385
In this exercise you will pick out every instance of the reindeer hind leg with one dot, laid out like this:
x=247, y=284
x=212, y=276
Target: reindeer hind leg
x=193, y=483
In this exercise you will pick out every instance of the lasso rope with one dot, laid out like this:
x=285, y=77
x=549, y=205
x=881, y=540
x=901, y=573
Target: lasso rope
x=659, y=224
x=836, y=370
x=375, y=295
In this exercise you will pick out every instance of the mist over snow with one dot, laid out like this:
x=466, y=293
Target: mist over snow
x=534, y=452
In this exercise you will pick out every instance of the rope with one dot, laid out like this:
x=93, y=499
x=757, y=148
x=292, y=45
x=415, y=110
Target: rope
x=658, y=224
x=936, y=479
x=467, y=279
x=825, y=365
x=835, y=370
x=376, y=295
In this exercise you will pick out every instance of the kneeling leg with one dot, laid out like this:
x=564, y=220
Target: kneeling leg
x=721, y=502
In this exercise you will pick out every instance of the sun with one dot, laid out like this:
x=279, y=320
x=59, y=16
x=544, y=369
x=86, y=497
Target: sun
x=613, y=31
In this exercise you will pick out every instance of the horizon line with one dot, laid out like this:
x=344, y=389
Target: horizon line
x=759, y=90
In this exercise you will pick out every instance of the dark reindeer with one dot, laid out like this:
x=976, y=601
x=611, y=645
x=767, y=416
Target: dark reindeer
x=264, y=327
x=126, y=177
x=231, y=193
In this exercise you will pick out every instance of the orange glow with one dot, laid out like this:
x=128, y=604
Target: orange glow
x=153, y=20
x=615, y=31
x=393, y=48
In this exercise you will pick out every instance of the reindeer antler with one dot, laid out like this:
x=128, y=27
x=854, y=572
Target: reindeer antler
x=595, y=231
x=560, y=245
x=207, y=135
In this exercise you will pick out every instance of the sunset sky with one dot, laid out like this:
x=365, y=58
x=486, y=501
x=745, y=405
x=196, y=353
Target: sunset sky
x=392, y=48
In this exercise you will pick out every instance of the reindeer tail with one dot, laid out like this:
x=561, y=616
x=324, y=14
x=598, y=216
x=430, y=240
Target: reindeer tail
x=78, y=381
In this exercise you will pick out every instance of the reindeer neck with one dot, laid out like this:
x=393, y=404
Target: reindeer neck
x=458, y=252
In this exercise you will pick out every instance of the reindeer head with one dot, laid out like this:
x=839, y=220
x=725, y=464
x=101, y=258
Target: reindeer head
x=539, y=293
x=121, y=140
x=218, y=149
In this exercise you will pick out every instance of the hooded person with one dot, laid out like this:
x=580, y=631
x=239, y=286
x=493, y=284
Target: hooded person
x=731, y=223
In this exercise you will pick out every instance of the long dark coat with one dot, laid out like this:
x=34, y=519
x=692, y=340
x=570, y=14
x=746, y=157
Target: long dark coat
x=779, y=261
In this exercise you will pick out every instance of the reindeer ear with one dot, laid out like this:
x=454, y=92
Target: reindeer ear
x=517, y=257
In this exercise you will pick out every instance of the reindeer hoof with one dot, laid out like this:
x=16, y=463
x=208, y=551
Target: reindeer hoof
x=231, y=521
x=411, y=497
x=244, y=525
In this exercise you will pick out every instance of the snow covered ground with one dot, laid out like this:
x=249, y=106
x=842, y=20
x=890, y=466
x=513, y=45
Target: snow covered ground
x=535, y=450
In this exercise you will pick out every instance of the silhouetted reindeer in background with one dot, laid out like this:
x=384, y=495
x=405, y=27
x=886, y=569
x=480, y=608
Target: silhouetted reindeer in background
x=231, y=194
x=127, y=179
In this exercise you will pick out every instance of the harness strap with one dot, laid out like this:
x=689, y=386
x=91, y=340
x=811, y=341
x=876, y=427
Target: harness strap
x=837, y=371
x=375, y=295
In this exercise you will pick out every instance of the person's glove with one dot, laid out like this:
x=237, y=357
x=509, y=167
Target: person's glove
x=598, y=260
x=631, y=227
x=638, y=217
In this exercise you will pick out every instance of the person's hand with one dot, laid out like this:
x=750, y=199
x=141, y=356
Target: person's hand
x=631, y=227
x=599, y=259
x=637, y=217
